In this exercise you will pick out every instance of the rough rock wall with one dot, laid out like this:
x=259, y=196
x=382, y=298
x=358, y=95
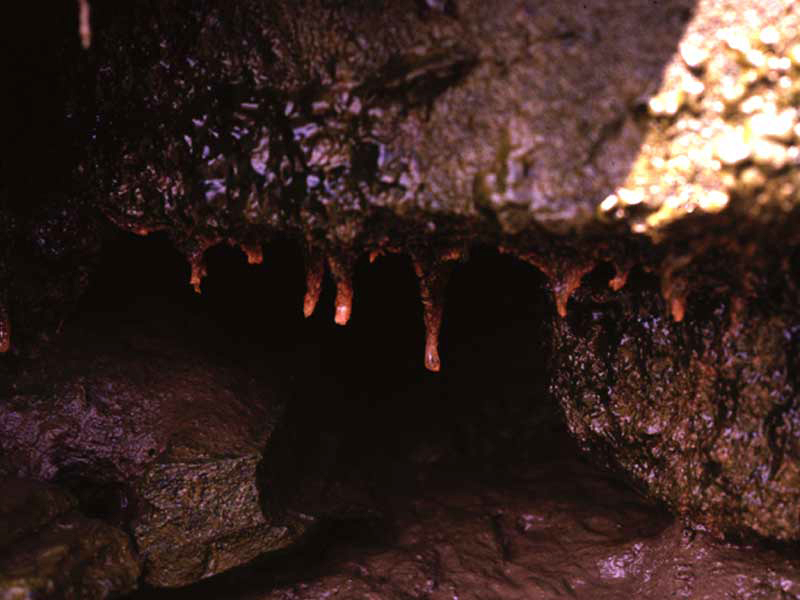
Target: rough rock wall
x=424, y=127
x=567, y=134
x=702, y=413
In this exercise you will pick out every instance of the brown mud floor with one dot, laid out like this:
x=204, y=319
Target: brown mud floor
x=458, y=485
x=555, y=528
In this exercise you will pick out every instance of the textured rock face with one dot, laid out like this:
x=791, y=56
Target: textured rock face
x=237, y=122
x=331, y=120
x=704, y=412
x=173, y=440
x=204, y=519
x=49, y=550
x=327, y=124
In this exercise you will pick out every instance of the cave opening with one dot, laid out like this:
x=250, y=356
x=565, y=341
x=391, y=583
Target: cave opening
x=366, y=378
x=372, y=444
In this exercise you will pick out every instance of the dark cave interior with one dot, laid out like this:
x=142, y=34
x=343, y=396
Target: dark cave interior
x=367, y=429
x=363, y=383
x=494, y=329
x=399, y=465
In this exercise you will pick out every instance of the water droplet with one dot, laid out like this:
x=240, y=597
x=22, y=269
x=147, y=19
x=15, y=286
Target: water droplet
x=693, y=54
x=667, y=103
x=714, y=201
x=609, y=204
x=774, y=125
x=732, y=147
x=794, y=54
x=769, y=36
x=770, y=154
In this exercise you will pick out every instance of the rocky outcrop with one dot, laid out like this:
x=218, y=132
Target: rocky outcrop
x=49, y=550
x=702, y=413
x=264, y=121
x=274, y=116
x=327, y=124
x=169, y=441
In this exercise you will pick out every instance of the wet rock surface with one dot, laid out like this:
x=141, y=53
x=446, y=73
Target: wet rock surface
x=555, y=527
x=329, y=120
x=652, y=137
x=239, y=122
x=153, y=437
x=703, y=412
x=49, y=550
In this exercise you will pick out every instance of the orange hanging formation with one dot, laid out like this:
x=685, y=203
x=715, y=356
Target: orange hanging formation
x=565, y=274
x=198, y=266
x=433, y=275
x=315, y=270
x=341, y=267
x=254, y=253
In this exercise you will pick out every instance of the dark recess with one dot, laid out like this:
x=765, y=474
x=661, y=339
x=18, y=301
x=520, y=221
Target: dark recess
x=364, y=417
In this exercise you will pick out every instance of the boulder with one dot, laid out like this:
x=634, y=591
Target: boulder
x=567, y=134
x=702, y=414
x=169, y=441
